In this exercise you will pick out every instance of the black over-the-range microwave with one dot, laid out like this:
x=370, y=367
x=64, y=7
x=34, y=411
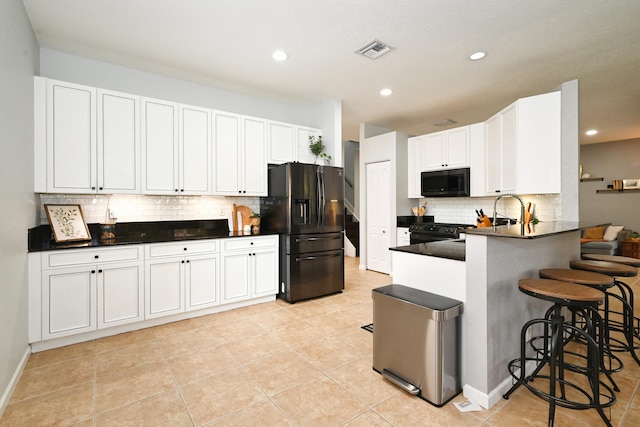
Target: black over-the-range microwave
x=445, y=183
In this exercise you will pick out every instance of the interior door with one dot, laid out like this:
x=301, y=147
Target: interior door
x=378, y=216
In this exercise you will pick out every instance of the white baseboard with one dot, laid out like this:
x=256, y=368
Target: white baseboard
x=6, y=396
x=487, y=400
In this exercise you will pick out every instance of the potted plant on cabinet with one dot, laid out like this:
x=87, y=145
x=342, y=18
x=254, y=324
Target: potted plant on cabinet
x=317, y=148
x=255, y=221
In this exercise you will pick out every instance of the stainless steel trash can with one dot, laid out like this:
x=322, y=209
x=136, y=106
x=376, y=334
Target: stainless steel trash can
x=416, y=341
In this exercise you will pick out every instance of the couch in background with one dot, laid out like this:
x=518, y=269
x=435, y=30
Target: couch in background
x=604, y=239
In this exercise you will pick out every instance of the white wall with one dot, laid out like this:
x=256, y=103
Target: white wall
x=326, y=115
x=18, y=64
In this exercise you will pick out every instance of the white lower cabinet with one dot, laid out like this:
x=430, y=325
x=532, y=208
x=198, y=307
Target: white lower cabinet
x=87, y=297
x=77, y=291
x=249, y=267
x=403, y=237
x=177, y=283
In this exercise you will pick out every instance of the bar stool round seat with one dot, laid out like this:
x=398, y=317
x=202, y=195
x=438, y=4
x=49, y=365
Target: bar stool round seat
x=609, y=362
x=634, y=262
x=564, y=391
x=604, y=267
x=629, y=325
x=581, y=277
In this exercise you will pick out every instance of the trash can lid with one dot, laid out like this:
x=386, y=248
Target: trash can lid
x=418, y=297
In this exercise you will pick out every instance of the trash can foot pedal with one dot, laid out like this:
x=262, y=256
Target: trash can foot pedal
x=405, y=385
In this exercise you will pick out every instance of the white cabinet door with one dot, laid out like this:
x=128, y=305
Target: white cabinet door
x=226, y=154
x=282, y=143
x=159, y=147
x=118, y=143
x=457, y=149
x=194, y=150
x=254, y=163
x=493, y=155
x=403, y=237
x=201, y=281
x=120, y=294
x=304, y=152
x=435, y=151
x=415, y=163
x=265, y=272
x=68, y=301
x=235, y=276
x=70, y=138
x=164, y=287
x=508, y=149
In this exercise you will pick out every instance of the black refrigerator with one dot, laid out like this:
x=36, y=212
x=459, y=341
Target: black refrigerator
x=306, y=206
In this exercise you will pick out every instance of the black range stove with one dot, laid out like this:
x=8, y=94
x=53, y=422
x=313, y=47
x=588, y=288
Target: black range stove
x=434, y=231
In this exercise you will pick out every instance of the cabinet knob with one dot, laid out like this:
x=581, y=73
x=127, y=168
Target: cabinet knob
x=93, y=272
x=93, y=188
x=101, y=188
x=182, y=262
x=99, y=271
x=96, y=256
x=252, y=243
x=175, y=189
x=182, y=190
x=185, y=249
x=188, y=261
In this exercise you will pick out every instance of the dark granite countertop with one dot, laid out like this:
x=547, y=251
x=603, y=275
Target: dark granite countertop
x=450, y=249
x=128, y=233
x=528, y=231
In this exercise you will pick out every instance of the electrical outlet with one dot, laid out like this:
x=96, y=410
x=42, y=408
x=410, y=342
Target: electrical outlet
x=112, y=214
x=221, y=211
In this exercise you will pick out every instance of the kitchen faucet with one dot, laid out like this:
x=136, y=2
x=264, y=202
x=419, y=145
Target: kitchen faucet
x=508, y=195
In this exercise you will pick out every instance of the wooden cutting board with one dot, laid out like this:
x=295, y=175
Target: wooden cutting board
x=241, y=217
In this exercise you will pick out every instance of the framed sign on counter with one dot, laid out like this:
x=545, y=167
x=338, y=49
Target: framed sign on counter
x=67, y=223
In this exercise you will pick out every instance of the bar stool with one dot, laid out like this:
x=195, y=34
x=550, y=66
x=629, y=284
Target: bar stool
x=586, y=300
x=602, y=283
x=626, y=299
x=633, y=262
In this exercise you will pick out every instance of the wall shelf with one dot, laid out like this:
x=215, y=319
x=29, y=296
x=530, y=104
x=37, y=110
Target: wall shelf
x=611, y=190
x=591, y=179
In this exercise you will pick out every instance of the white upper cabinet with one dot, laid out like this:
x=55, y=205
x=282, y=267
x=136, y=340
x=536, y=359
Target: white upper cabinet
x=118, y=142
x=239, y=156
x=435, y=151
x=448, y=149
x=176, y=142
x=416, y=153
x=86, y=140
x=194, y=152
x=290, y=143
x=523, y=145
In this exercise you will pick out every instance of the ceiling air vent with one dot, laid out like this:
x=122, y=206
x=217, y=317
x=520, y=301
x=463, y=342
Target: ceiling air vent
x=374, y=49
x=445, y=122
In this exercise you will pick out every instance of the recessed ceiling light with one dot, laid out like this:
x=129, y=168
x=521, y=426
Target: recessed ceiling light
x=591, y=132
x=279, y=55
x=477, y=55
x=386, y=92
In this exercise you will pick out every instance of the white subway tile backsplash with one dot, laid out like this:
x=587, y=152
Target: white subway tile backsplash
x=462, y=210
x=149, y=208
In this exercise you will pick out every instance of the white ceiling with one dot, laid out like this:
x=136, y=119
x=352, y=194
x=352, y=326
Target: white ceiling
x=532, y=47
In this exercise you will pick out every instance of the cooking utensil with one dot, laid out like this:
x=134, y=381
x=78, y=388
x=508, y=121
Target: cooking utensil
x=415, y=210
x=528, y=214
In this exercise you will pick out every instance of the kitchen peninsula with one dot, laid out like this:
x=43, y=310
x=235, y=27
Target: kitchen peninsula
x=485, y=280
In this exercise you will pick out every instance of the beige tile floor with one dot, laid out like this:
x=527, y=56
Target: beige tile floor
x=271, y=364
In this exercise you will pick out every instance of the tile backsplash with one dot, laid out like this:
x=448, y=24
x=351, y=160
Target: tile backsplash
x=136, y=208
x=461, y=210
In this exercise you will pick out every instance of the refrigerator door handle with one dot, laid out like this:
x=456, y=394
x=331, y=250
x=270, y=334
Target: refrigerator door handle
x=323, y=197
x=318, y=198
x=314, y=239
x=311, y=258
